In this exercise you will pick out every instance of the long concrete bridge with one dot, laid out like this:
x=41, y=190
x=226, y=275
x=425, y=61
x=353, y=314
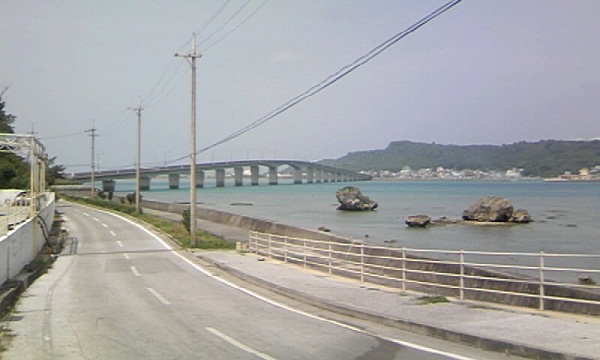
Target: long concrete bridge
x=311, y=172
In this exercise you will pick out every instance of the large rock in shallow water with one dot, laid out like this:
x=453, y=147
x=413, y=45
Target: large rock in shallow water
x=489, y=209
x=521, y=217
x=351, y=199
x=420, y=221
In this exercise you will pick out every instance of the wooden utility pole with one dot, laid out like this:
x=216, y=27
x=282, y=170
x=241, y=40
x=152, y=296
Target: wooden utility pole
x=191, y=58
x=138, y=111
x=93, y=135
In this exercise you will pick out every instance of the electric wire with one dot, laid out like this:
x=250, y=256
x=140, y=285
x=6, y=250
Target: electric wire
x=331, y=79
x=209, y=21
x=63, y=136
x=151, y=96
x=224, y=24
x=164, y=93
x=338, y=75
x=234, y=28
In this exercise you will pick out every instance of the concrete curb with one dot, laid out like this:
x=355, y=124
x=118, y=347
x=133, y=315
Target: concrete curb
x=423, y=329
x=16, y=286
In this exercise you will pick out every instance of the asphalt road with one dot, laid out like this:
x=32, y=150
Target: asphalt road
x=120, y=292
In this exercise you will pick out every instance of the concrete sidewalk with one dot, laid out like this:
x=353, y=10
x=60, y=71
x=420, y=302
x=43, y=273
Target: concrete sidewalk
x=517, y=331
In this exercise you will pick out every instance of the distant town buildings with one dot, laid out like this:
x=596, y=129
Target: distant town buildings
x=440, y=173
x=585, y=174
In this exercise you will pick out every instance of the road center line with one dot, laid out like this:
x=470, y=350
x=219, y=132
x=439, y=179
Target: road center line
x=86, y=214
x=126, y=256
x=239, y=345
x=135, y=271
x=106, y=226
x=159, y=296
x=120, y=243
x=285, y=307
x=95, y=219
x=113, y=233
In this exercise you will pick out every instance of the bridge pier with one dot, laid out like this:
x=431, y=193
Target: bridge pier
x=144, y=183
x=297, y=176
x=174, y=181
x=272, y=175
x=319, y=176
x=199, y=179
x=254, y=174
x=238, y=172
x=220, y=177
x=310, y=175
x=108, y=185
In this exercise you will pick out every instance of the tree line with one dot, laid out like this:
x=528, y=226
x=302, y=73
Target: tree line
x=546, y=158
x=15, y=170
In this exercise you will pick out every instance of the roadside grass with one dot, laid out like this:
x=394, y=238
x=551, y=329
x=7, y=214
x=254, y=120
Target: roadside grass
x=433, y=299
x=174, y=229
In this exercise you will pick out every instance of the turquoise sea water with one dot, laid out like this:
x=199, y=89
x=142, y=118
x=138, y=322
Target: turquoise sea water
x=567, y=215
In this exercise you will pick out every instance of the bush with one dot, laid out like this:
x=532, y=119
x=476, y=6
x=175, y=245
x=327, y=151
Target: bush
x=186, y=219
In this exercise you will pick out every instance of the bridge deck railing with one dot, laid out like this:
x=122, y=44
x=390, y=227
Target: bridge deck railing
x=561, y=282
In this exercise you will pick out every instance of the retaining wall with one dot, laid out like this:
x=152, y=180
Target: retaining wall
x=22, y=244
x=244, y=222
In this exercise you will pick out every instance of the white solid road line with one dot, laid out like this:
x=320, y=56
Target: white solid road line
x=239, y=345
x=159, y=296
x=282, y=306
x=135, y=271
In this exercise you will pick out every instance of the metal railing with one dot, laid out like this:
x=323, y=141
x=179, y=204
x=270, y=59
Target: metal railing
x=13, y=216
x=562, y=282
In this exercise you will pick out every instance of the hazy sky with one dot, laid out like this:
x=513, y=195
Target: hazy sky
x=485, y=72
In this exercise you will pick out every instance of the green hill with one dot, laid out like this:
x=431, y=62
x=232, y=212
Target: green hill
x=546, y=158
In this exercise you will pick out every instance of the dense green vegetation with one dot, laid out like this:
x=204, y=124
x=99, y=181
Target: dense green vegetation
x=545, y=158
x=14, y=170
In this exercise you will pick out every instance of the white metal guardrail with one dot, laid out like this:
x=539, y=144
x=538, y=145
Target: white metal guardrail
x=542, y=280
x=12, y=216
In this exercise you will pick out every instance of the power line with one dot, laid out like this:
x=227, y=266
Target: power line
x=333, y=78
x=208, y=22
x=225, y=23
x=236, y=27
x=62, y=136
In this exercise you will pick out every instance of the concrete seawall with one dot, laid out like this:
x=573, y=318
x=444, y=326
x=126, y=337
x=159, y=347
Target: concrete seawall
x=244, y=222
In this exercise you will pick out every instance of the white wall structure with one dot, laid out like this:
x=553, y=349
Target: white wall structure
x=24, y=240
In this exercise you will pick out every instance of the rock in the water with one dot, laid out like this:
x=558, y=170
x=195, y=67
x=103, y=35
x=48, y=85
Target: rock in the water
x=418, y=221
x=351, y=199
x=521, y=216
x=489, y=209
x=586, y=280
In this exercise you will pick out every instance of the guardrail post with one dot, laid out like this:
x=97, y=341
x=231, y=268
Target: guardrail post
x=462, y=274
x=329, y=257
x=362, y=262
x=304, y=253
x=269, y=246
x=541, y=280
x=285, y=249
x=403, y=269
x=256, y=244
